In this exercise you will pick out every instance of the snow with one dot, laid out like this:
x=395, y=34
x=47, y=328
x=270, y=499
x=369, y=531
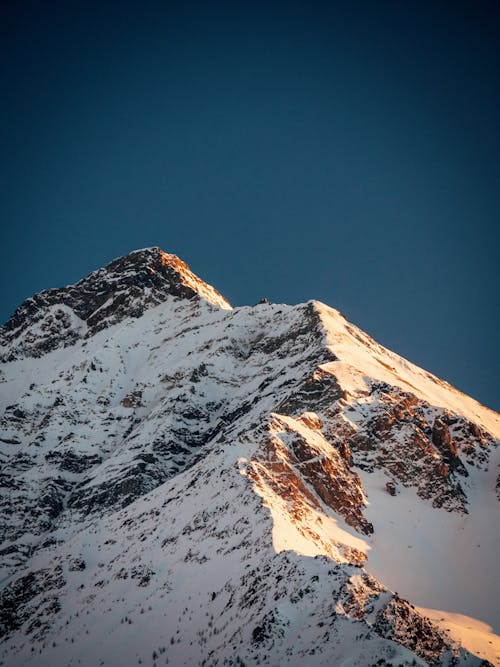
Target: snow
x=326, y=529
x=205, y=290
x=437, y=559
x=475, y=635
x=360, y=358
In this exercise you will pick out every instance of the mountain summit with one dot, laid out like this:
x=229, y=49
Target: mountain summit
x=124, y=288
x=188, y=483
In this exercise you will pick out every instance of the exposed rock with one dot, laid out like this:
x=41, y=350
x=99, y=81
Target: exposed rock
x=391, y=488
x=71, y=461
x=77, y=565
x=311, y=420
x=133, y=399
x=22, y=601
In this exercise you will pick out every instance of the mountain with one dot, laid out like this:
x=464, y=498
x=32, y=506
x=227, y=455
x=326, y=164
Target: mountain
x=186, y=483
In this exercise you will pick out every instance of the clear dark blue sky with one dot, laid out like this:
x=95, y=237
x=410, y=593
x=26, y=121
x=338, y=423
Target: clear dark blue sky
x=344, y=151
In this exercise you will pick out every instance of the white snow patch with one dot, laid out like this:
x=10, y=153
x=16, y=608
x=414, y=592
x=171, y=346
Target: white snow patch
x=476, y=636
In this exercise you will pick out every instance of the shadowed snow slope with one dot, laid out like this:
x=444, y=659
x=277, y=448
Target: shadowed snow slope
x=187, y=483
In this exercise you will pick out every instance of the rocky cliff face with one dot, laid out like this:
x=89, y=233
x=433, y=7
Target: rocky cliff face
x=187, y=483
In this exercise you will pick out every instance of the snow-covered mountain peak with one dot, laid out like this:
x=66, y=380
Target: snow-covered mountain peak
x=125, y=288
x=186, y=483
x=178, y=279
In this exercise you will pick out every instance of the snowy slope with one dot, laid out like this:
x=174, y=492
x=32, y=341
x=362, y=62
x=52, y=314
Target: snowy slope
x=186, y=483
x=360, y=361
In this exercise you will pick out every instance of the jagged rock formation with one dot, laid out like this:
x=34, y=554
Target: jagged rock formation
x=187, y=483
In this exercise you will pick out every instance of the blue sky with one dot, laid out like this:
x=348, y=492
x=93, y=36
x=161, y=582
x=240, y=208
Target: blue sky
x=348, y=152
